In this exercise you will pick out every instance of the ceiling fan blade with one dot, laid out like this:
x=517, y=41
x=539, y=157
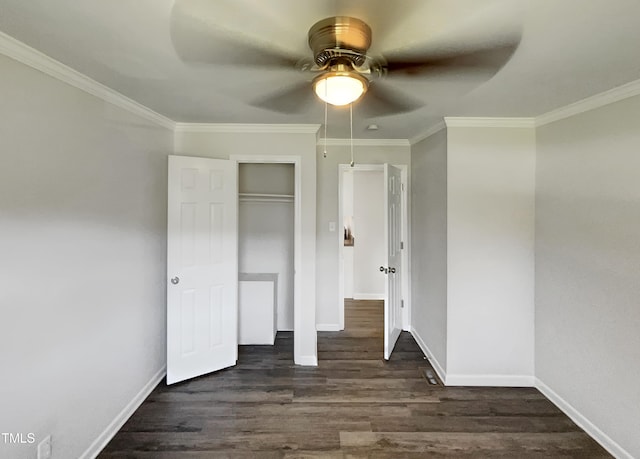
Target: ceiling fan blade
x=383, y=100
x=435, y=26
x=292, y=100
x=484, y=60
x=198, y=39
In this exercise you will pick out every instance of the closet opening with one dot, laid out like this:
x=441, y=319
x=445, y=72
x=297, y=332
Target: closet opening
x=266, y=254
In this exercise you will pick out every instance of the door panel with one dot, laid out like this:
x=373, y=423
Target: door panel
x=202, y=267
x=393, y=292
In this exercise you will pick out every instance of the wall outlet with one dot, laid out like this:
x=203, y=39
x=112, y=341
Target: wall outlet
x=44, y=448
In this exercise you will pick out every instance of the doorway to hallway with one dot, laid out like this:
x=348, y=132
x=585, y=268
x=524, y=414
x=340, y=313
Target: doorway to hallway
x=372, y=253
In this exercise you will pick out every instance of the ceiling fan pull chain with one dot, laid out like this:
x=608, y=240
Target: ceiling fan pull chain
x=325, y=128
x=351, y=125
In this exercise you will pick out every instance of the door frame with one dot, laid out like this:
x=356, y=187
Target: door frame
x=297, y=234
x=406, y=291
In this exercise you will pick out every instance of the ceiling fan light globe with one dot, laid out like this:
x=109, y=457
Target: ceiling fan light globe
x=339, y=89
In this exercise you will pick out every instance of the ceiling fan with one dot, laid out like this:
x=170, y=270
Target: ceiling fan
x=340, y=70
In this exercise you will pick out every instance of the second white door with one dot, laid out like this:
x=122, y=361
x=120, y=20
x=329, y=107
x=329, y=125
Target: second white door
x=393, y=236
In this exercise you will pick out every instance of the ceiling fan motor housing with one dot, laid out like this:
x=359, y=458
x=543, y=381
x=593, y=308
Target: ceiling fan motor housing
x=340, y=38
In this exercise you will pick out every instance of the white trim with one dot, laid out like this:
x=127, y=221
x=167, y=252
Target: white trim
x=428, y=133
x=329, y=327
x=307, y=360
x=489, y=122
x=368, y=296
x=429, y=355
x=249, y=158
x=598, y=435
x=116, y=424
x=405, y=281
x=23, y=53
x=340, y=236
x=248, y=128
x=364, y=142
x=599, y=100
x=490, y=380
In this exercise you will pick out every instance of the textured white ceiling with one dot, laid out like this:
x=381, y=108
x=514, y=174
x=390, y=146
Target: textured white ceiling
x=570, y=49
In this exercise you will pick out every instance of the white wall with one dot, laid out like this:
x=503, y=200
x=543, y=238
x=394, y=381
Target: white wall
x=490, y=255
x=265, y=230
x=368, y=230
x=429, y=247
x=588, y=267
x=83, y=260
x=327, y=302
x=266, y=178
x=215, y=144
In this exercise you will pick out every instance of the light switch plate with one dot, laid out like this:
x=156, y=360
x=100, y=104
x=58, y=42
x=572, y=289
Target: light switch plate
x=332, y=226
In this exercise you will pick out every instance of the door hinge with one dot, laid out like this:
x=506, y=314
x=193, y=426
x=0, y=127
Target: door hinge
x=401, y=245
x=402, y=186
x=402, y=303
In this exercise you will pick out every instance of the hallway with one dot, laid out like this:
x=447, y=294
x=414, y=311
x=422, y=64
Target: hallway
x=354, y=404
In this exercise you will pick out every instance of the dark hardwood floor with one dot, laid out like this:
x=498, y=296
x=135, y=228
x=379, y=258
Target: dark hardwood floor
x=353, y=405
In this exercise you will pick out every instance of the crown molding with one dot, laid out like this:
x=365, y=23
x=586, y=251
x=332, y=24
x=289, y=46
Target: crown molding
x=23, y=53
x=248, y=128
x=599, y=100
x=364, y=142
x=428, y=133
x=489, y=122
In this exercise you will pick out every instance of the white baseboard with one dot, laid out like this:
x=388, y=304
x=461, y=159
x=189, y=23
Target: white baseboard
x=368, y=296
x=490, y=380
x=114, y=426
x=328, y=327
x=307, y=360
x=427, y=352
x=598, y=435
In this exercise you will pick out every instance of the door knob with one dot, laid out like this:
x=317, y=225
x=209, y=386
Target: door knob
x=383, y=269
x=175, y=280
x=392, y=270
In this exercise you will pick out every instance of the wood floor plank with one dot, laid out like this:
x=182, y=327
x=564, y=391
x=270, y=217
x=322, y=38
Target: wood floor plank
x=478, y=424
x=218, y=454
x=354, y=404
x=224, y=440
x=286, y=425
x=487, y=408
x=572, y=443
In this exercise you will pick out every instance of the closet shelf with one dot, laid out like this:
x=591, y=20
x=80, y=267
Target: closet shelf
x=263, y=197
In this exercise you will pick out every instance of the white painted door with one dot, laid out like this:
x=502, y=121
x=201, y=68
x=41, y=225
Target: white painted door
x=202, y=267
x=393, y=232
